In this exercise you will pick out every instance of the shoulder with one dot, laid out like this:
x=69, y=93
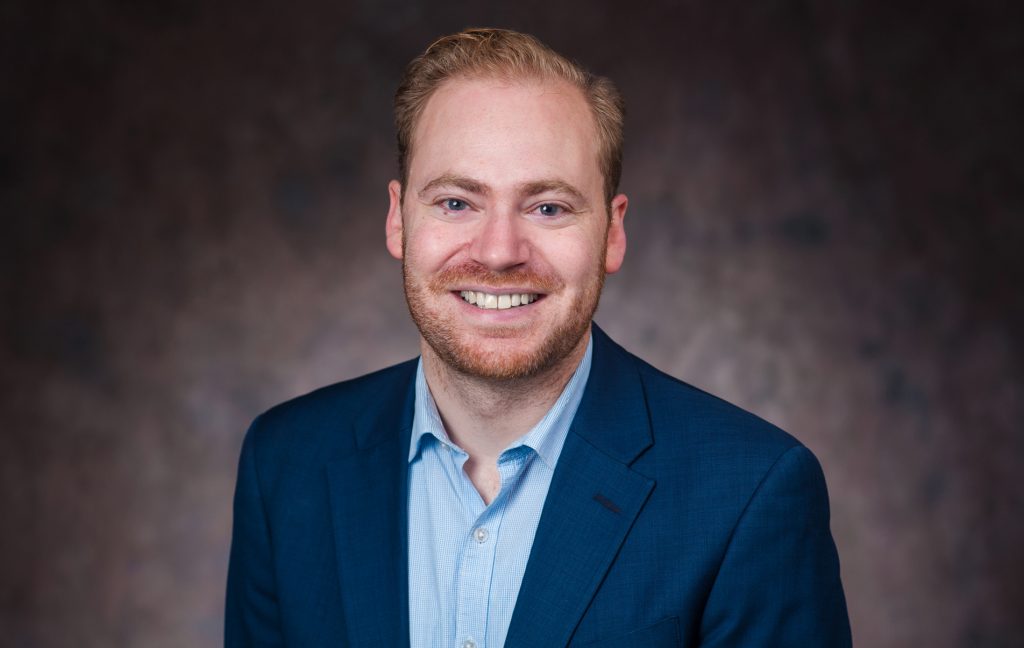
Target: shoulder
x=711, y=459
x=684, y=416
x=701, y=441
x=322, y=420
x=680, y=410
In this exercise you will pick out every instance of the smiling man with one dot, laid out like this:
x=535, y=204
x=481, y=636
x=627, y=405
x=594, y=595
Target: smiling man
x=526, y=481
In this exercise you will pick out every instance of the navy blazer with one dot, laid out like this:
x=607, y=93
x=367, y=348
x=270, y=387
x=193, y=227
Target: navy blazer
x=673, y=519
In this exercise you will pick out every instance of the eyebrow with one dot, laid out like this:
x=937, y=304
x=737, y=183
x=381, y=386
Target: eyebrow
x=457, y=181
x=530, y=188
x=555, y=186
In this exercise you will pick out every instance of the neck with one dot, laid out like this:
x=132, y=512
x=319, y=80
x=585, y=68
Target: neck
x=483, y=416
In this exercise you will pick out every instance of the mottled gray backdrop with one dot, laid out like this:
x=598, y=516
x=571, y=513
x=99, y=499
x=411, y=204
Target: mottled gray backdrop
x=825, y=227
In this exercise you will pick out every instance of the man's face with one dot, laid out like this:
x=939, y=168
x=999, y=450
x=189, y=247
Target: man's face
x=503, y=230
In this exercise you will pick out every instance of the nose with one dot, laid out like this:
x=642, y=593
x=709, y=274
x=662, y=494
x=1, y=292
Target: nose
x=499, y=243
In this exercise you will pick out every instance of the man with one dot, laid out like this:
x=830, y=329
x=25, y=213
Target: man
x=526, y=482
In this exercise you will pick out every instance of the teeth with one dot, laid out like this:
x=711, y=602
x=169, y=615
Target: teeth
x=498, y=302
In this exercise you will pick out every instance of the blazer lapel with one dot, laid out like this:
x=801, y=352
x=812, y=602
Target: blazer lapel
x=368, y=512
x=591, y=505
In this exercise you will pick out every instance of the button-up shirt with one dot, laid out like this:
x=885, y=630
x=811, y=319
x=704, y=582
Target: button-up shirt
x=467, y=558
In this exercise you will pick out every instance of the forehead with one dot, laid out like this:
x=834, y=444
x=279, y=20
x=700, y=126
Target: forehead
x=513, y=130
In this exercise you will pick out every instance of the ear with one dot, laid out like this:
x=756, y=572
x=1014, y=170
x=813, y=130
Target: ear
x=616, y=249
x=393, y=226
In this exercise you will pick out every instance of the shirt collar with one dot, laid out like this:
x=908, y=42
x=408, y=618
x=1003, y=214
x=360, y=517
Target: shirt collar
x=546, y=438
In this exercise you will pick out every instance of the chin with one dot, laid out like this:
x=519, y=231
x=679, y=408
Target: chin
x=501, y=358
x=494, y=360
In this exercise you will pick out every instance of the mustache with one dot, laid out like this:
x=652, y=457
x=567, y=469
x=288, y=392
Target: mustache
x=475, y=273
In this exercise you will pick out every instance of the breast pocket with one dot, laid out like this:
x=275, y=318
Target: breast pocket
x=663, y=634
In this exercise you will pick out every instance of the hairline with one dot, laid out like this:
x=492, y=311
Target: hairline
x=511, y=77
x=503, y=54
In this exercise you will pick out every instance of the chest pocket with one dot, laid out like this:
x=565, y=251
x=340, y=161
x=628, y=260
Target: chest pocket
x=663, y=634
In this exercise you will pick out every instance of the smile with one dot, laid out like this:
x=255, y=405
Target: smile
x=499, y=302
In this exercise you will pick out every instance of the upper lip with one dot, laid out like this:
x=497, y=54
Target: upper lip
x=499, y=291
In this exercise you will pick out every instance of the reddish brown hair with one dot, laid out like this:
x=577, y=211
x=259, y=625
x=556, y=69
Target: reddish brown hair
x=506, y=54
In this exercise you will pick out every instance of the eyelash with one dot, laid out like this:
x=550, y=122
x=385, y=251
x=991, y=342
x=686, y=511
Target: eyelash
x=562, y=210
x=443, y=203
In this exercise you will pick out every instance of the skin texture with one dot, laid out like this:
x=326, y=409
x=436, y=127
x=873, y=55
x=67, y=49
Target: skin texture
x=505, y=196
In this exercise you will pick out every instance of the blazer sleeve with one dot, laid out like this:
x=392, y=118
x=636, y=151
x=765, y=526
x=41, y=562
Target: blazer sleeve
x=252, y=617
x=778, y=584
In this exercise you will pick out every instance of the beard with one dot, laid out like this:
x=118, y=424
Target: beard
x=503, y=356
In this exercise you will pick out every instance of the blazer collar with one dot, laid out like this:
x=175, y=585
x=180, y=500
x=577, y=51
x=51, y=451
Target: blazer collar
x=592, y=502
x=613, y=414
x=368, y=497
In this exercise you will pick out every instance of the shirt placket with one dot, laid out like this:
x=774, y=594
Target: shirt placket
x=478, y=557
x=475, y=571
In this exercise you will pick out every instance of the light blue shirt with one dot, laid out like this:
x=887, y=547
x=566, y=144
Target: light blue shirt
x=467, y=559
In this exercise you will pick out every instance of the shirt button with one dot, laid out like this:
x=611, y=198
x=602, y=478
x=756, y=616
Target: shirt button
x=480, y=534
x=469, y=643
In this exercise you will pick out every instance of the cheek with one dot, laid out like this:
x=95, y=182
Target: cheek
x=577, y=259
x=431, y=244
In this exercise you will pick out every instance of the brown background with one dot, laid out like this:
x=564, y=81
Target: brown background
x=825, y=227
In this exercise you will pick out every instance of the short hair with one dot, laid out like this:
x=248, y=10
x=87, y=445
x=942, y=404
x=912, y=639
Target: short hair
x=506, y=54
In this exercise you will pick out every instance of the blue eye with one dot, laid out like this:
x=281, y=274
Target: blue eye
x=549, y=209
x=454, y=204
